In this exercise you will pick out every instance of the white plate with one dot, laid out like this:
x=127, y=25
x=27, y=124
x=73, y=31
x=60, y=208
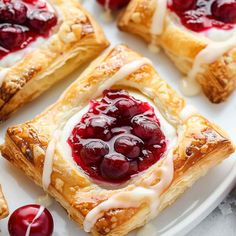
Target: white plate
x=178, y=219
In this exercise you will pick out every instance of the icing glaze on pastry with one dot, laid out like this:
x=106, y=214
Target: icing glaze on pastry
x=157, y=25
x=48, y=161
x=31, y=220
x=158, y=17
x=23, y=22
x=187, y=112
x=210, y=54
x=189, y=86
x=136, y=196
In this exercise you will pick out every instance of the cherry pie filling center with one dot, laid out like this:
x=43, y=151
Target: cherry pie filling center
x=118, y=137
x=201, y=15
x=22, y=22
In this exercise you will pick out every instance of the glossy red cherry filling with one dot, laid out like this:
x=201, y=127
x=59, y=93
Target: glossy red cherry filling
x=118, y=137
x=21, y=22
x=29, y=218
x=201, y=15
x=113, y=4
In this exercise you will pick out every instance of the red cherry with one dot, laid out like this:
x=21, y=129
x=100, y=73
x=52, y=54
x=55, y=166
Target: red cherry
x=13, y=12
x=114, y=167
x=146, y=161
x=42, y=20
x=224, y=10
x=130, y=146
x=147, y=129
x=114, y=4
x=93, y=151
x=183, y=5
x=24, y=218
x=12, y=36
x=99, y=127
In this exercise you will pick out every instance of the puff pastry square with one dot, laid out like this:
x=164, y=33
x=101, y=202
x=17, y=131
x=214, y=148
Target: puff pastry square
x=77, y=39
x=209, y=62
x=199, y=146
x=3, y=205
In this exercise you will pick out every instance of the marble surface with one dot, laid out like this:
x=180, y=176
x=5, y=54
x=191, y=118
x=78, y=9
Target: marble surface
x=221, y=222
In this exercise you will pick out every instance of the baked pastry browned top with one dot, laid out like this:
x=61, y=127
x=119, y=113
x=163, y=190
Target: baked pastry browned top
x=67, y=37
x=111, y=187
x=3, y=205
x=197, y=35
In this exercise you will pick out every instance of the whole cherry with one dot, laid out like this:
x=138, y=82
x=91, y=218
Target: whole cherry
x=115, y=167
x=31, y=220
x=13, y=12
x=12, y=36
x=224, y=10
x=181, y=5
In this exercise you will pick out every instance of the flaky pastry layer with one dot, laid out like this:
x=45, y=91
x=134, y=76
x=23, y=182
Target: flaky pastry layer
x=217, y=79
x=77, y=39
x=200, y=146
x=3, y=205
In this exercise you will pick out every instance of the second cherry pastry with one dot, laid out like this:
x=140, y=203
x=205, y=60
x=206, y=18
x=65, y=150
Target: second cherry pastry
x=118, y=147
x=41, y=42
x=199, y=36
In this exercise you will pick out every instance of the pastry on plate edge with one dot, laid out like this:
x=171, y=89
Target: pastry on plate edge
x=194, y=146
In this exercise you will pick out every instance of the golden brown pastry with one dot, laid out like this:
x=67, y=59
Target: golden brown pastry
x=75, y=38
x=3, y=205
x=113, y=192
x=201, y=46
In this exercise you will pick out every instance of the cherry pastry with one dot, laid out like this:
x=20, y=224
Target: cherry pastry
x=31, y=220
x=118, y=137
x=22, y=22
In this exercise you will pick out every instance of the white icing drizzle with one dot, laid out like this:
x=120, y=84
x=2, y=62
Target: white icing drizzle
x=126, y=199
x=187, y=112
x=190, y=87
x=136, y=196
x=157, y=25
x=209, y=54
x=206, y=56
x=123, y=72
x=48, y=161
x=159, y=17
x=39, y=213
x=44, y=200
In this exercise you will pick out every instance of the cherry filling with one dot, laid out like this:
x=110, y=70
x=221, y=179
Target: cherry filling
x=113, y=4
x=27, y=218
x=21, y=22
x=201, y=15
x=118, y=137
